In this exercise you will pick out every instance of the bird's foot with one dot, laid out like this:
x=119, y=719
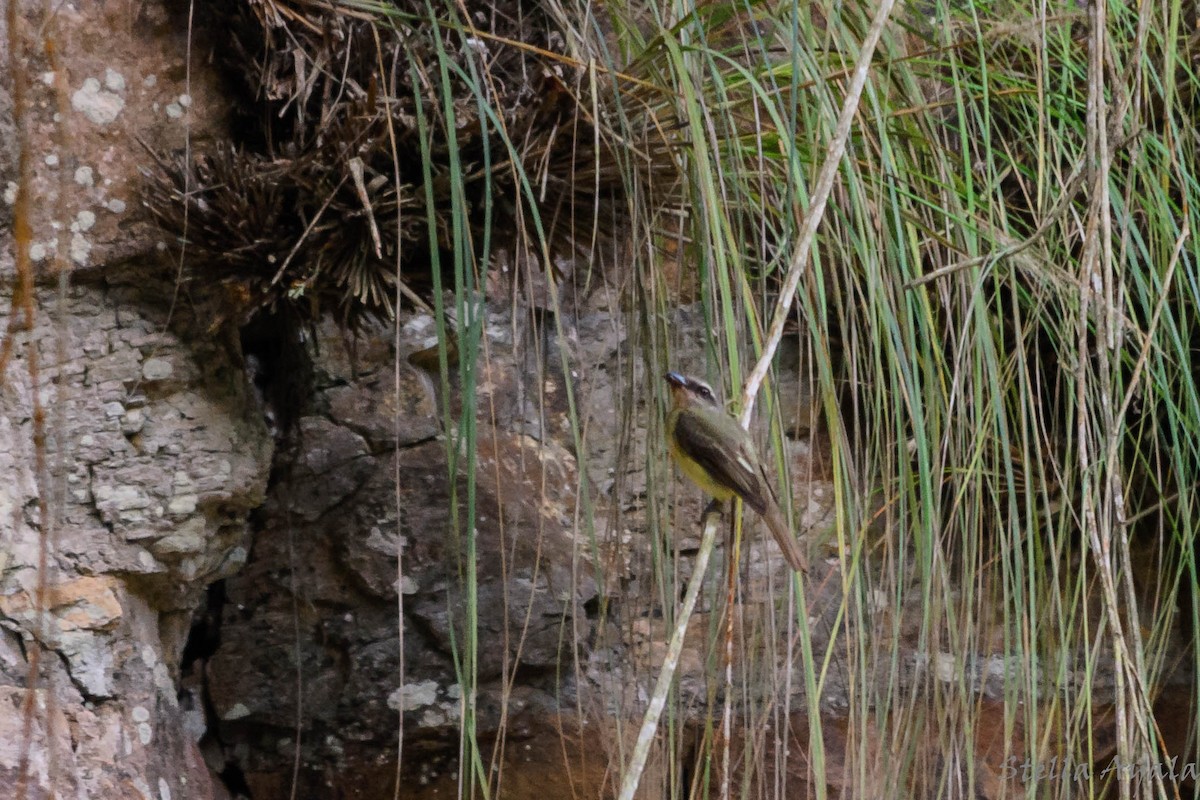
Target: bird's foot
x=714, y=507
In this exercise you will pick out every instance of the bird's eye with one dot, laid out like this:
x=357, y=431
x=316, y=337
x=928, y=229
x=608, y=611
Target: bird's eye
x=706, y=392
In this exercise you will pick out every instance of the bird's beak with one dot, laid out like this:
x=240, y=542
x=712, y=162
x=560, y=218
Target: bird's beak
x=676, y=380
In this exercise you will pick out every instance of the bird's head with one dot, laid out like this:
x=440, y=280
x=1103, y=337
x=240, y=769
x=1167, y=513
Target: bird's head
x=687, y=391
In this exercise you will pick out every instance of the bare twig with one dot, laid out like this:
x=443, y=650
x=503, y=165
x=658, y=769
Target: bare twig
x=658, y=700
x=360, y=187
x=816, y=209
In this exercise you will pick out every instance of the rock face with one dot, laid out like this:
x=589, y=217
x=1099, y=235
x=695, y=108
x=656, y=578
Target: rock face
x=324, y=584
x=154, y=459
x=218, y=615
x=132, y=450
x=347, y=620
x=119, y=80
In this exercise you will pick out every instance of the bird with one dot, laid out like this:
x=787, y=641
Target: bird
x=716, y=453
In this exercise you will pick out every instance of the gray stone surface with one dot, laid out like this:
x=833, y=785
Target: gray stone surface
x=147, y=516
x=120, y=66
x=154, y=454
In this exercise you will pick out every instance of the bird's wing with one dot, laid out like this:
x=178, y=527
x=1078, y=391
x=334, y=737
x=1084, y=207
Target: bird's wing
x=768, y=483
x=735, y=468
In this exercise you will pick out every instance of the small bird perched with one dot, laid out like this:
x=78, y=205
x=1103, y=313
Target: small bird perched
x=717, y=454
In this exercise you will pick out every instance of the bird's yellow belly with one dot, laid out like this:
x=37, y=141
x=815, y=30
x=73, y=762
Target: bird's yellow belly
x=698, y=474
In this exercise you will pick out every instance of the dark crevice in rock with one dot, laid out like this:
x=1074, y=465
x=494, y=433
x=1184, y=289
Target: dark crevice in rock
x=220, y=29
x=80, y=686
x=205, y=635
x=290, y=491
x=280, y=368
x=387, y=448
x=204, y=639
x=235, y=780
x=417, y=625
x=532, y=674
x=20, y=676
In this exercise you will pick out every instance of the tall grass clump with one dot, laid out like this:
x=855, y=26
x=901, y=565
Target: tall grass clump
x=997, y=320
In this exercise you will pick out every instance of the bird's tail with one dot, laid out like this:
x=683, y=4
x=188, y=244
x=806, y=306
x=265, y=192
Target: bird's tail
x=792, y=553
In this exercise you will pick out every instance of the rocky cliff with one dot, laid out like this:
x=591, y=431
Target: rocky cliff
x=199, y=599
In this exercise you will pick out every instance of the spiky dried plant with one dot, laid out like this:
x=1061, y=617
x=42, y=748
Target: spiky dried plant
x=364, y=137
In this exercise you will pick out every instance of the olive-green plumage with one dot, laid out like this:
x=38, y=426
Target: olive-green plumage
x=718, y=455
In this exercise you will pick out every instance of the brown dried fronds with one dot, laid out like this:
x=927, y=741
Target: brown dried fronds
x=286, y=231
x=304, y=210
